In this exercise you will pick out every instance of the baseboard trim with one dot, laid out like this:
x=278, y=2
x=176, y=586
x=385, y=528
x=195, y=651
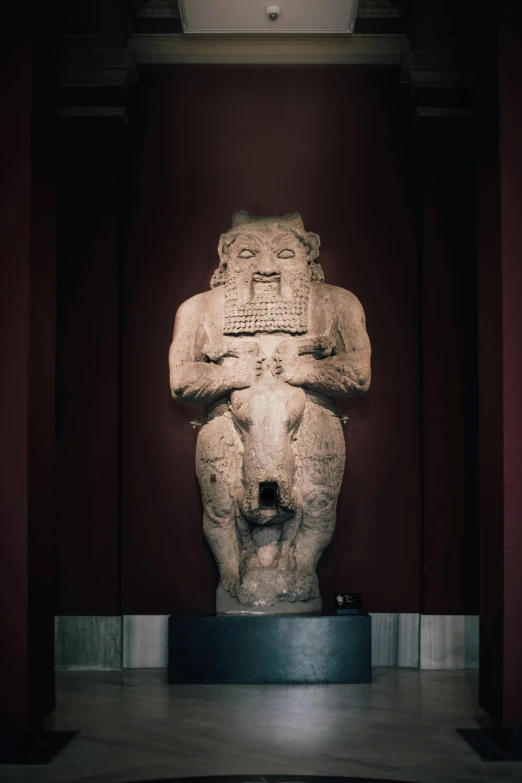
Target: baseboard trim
x=140, y=641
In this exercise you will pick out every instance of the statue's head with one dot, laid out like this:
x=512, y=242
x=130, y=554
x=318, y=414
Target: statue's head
x=265, y=250
x=266, y=267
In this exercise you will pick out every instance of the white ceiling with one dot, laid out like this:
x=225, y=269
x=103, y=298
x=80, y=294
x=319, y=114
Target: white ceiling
x=250, y=16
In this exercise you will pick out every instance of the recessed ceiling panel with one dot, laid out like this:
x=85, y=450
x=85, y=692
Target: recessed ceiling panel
x=259, y=16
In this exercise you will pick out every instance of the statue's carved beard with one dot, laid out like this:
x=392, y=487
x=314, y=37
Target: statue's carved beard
x=252, y=307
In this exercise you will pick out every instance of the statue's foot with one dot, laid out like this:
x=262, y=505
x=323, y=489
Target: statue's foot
x=269, y=586
x=229, y=583
x=306, y=586
x=226, y=605
x=265, y=587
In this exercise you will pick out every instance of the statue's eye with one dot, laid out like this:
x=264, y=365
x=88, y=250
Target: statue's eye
x=286, y=253
x=246, y=253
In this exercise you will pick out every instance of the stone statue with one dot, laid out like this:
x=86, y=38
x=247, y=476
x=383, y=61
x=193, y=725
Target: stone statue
x=266, y=350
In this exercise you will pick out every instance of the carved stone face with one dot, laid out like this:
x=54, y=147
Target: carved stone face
x=266, y=267
x=267, y=260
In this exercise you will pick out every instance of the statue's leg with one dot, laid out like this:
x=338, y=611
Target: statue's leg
x=320, y=457
x=218, y=466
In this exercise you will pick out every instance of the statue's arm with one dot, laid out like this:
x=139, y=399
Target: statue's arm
x=193, y=378
x=347, y=372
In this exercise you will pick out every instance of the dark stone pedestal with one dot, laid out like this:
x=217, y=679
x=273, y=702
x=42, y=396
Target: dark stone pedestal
x=282, y=650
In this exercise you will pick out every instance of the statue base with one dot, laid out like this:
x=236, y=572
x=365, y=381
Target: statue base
x=226, y=605
x=296, y=649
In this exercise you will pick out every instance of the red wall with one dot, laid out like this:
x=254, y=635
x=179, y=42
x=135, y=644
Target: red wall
x=15, y=140
x=500, y=363
x=510, y=79
x=41, y=466
x=448, y=366
x=334, y=143
x=88, y=367
x=27, y=399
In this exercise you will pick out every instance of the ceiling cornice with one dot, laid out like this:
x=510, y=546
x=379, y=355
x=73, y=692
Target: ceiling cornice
x=89, y=67
x=436, y=68
x=112, y=112
x=168, y=9
x=378, y=9
x=159, y=9
x=264, y=49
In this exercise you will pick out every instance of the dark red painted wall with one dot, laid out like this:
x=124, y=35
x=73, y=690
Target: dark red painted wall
x=490, y=420
x=42, y=378
x=334, y=143
x=447, y=228
x=88, y=366
x=510, y=79
x=15, y=140
x=500, y=364
x=27, y=345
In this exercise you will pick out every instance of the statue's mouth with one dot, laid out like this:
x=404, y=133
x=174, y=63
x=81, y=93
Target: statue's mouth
x=266, y=278
x=268, y=510
x=268, y=495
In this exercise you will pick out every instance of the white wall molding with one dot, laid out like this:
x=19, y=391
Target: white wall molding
x=266, y=49
x=395, y=639
x=88, y=642
x=449, y=641
x=145, y=640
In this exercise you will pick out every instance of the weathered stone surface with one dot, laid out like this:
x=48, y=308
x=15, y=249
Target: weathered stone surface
x=267, y=350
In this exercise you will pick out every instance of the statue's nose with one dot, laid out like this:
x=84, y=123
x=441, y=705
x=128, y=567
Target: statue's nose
x=267, y=266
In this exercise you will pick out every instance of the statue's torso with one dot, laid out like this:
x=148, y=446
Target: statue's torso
x=322, y=330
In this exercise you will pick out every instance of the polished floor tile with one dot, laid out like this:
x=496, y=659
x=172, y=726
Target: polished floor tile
x=133, y=726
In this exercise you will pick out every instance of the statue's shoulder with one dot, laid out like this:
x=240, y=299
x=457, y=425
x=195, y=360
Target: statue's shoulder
x=202, y=303
x=336, y=297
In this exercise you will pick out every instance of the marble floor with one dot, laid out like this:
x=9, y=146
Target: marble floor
x=133, y=726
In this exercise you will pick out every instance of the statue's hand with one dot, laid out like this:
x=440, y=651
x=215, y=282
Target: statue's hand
x=292, y=369
x=243, y=368
x=296, y=358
